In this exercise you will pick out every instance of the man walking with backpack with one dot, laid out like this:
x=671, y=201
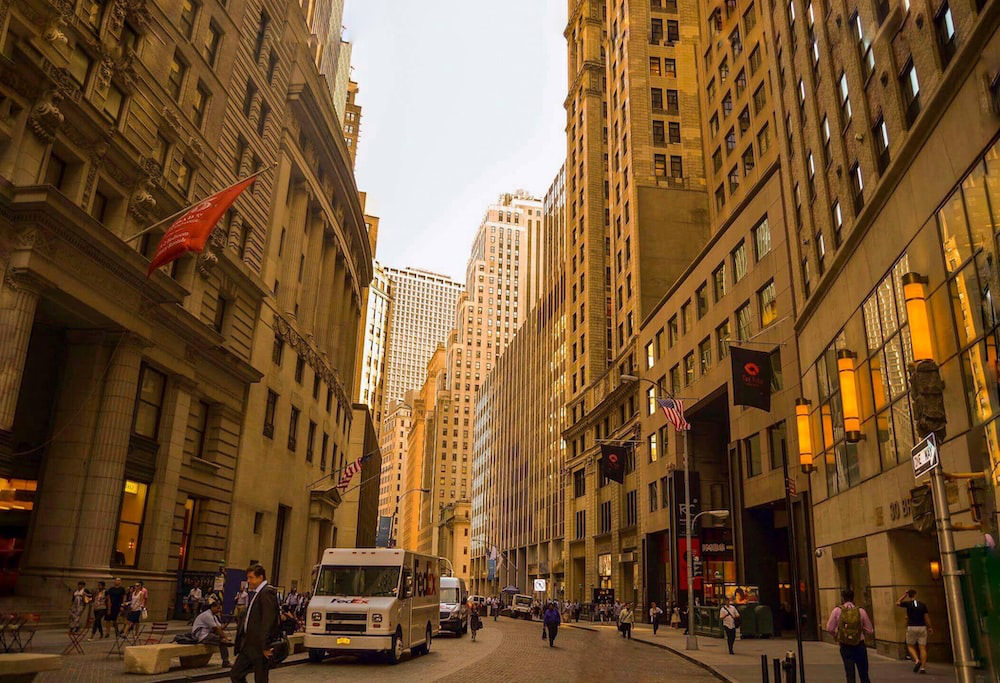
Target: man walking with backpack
x=848, y=624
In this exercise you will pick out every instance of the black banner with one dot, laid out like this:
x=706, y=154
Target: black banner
x=613, y=462
x=751, y=378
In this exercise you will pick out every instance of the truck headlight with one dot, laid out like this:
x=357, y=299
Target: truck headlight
x=316, y=616
x=376, y=618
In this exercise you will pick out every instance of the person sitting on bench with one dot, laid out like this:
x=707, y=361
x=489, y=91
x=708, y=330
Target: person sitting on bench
x=207, y=630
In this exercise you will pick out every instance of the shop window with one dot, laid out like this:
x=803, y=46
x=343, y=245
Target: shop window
x=752, y=455
x=130, y=521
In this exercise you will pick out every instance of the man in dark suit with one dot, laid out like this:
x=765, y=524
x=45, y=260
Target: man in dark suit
x=258, y=627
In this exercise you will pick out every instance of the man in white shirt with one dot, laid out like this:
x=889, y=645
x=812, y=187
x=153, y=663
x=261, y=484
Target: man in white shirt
x=729, y=615
x=208, y=630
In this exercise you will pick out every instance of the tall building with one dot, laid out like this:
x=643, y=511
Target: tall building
x=352, y=121
x=637, y=216
x=421, y=317
x=891, y=119
x=393, y=442
x=372, y=354
x=135, y=406
x=518, y=453
x=342, y=80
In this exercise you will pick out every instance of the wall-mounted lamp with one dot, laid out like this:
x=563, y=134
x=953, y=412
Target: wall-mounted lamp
x=935, y=570
x=804, y=435
x=918, y=316
x=849, y=394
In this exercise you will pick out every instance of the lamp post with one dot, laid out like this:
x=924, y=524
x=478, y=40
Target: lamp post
x=929, y=416
x=692, y=639
x=392, y=522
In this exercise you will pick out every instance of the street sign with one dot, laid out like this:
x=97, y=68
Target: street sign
x=925, y=456
x=539, y=585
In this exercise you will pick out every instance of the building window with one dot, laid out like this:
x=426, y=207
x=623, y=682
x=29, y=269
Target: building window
x=310, y=440
x=656, y=94
x=672, y=106
x=910, y=86
x=270, y=408
x=631, y=508
x=689, y=369
x=945, y=29
x=751, y=455
x=210, y=50
x=825, y=128
x=581, y=524
x=744, y=322
x=845, y=101
x=650, y=357
x=701, y=300
x=277, y=349
x=293, y=428
x=660, y=165
x=881, y=136
x=654, y=447
x=705, y=355
x=767, y=304
x=676, y=167
x=130, y=523
x=175, y=78
x=248, y=97
x=221, y=306
x=865, y=53
x=763, y=139
x=722, y=334
x=262, y=24
x=182, y=178
x=200, y=103
x=672, y=332
x=189, y=12
x=739, y=256
x=838, y=223
x=654, y=497
x=149, y=402
x=605, y=518
x=579, y=483
x=300, y=366
x=199, y=428
x=857, y=188
x=719, y=282
x=761, y=239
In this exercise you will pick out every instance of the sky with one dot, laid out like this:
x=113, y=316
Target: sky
x=461, y=101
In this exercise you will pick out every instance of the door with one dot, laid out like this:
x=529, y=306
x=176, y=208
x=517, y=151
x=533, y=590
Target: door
x=406, y=605
x=279, y=544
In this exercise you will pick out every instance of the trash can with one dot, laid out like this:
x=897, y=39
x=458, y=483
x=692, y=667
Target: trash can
x=748, y=621
x=765, y=620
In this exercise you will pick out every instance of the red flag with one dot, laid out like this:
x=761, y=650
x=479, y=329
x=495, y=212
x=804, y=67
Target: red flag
x=190, y=232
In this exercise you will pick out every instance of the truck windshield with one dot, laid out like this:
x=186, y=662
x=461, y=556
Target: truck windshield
x=449, y=595
x=522, y=602
x=368, y=582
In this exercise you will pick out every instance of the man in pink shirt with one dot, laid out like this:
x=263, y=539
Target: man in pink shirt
x=849, y=624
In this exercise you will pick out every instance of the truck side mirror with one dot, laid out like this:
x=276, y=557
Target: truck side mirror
x=409, y=586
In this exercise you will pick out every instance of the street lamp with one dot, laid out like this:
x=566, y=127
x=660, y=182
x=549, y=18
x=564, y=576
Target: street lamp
x=692, y=637
x=392, y=522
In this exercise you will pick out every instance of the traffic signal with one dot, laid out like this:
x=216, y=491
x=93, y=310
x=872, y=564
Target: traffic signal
x=977, y=498
x=922, y=508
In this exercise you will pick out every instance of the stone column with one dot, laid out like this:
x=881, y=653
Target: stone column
x=346, y=348
x=327, y=266
x=336, y=313
x=161, y=506
x=97, y=522
x=310, y=289
x=18, y=300
x=298, y=206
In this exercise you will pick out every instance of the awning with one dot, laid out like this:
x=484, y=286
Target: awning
x=511, y=590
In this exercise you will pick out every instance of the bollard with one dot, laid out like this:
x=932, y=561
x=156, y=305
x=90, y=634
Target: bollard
x=789, y=666
x=777, y=670
x=764, y=673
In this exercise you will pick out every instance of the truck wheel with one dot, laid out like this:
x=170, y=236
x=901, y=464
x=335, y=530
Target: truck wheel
x=396, y=653
x=465, y=629
x=316, y=655
x=425, y=649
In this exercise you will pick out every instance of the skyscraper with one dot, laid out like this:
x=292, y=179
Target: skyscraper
x=371, y=371
x=421, y=317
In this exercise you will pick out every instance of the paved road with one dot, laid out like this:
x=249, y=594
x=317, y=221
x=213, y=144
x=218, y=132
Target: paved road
x=509, y=650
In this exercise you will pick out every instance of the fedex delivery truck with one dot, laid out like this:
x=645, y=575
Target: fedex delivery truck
x=373, y=600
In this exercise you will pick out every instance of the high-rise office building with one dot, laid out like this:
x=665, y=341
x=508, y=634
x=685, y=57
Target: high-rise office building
x=393, y=442
x=374, y=344
x=518, y=452
x=421, y=317
x=352, y=121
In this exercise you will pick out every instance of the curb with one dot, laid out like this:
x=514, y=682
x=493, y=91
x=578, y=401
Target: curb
x=683, y=655
x=224, y=673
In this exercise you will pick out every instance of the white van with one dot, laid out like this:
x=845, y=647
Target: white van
x=366, y=600
x=454, y=605
x=520, y=606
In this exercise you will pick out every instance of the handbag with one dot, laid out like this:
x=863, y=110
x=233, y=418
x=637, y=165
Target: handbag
x=279, y=650
x=145, y=615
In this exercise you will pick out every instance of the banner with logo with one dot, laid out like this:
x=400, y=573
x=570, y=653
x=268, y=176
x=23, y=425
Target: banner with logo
x=751, y=378
x=613, y=462
x=382, y=534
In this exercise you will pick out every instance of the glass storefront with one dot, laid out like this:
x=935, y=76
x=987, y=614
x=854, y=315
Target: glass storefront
x=130, y=524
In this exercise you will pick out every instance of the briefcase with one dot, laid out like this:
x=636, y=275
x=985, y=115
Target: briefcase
x=280, y=648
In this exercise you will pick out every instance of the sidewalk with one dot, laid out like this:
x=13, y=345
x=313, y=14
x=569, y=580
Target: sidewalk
x=823, y=664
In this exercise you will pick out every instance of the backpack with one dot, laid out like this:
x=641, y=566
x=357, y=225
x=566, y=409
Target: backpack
x=849, y=630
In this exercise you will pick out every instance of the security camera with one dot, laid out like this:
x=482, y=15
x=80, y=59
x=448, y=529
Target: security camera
x=819, y=552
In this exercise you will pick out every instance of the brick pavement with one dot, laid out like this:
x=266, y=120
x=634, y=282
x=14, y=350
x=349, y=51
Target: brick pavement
x=823, y=664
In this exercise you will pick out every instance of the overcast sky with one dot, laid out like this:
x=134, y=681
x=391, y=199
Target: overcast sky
x=461, y=101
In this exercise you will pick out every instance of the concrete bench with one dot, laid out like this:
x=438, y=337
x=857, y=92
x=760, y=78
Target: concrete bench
x=22, y=667
x=155, y=659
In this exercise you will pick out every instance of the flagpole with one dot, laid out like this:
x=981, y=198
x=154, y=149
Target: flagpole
x=187, y=208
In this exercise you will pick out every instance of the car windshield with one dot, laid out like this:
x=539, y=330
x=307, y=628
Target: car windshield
x=449, y=595
x=367, y=582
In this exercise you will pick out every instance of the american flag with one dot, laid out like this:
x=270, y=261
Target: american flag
x=674, y=410
x=350, y=471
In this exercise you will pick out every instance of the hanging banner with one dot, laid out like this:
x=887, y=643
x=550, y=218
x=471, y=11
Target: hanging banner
x=613, y=462
x=382, y=534
x=751, y=378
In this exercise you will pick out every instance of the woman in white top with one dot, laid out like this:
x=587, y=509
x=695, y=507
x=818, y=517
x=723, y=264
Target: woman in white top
x=729, y=616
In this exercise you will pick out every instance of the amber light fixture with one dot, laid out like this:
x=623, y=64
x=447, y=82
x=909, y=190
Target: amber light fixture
x=849, y=395
x=917, y=315
x=805, y=436
x=935, y=570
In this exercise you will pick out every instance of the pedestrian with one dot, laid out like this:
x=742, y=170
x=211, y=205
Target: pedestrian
x=475, y=621
x=241, y=602
x=675, y=617
x=551, y=620
x=207, y=630
x=219, y=583
x=194, y=602
x=496, y=608
x=617, y=611
x=78, y=607
x=257, y=630
x=625, y=618
x=918, y=626
x=116, y=597
x=730, y=617
x=654, y=617
x=100, y=609
x=137, y=607
x=848, y=624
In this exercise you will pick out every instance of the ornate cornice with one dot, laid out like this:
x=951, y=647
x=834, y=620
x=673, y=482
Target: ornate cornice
x=305, y=349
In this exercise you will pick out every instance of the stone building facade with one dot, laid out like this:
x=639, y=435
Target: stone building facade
x=117, y=115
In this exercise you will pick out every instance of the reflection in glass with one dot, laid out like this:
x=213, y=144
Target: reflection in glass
x=880, y=390
x=993, y=182
x=886, y=440
x=901, y=268
x=980, y=222
x=964, y=290
x=895, y=368
x=991, y=438
x=903, y=429
x=979, y=368
x=887, y=308
x=873, y=332
x=954, y=233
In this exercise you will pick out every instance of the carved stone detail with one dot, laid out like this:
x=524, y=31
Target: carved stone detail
x=45, y=117
x=142, y=202
x=55, y=32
